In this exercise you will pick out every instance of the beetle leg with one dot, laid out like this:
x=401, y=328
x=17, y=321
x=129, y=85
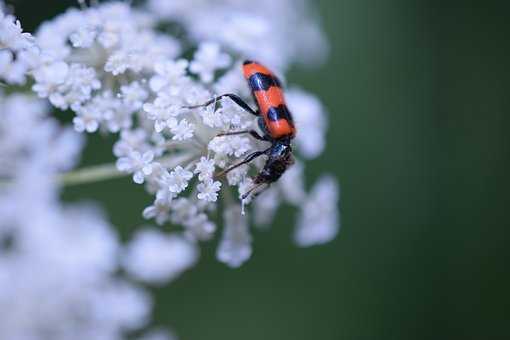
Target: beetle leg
x=235, y=98
x=248, y=159
x=253, y=133
x=256, y=186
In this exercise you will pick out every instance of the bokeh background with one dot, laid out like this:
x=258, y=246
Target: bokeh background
x=418, y=95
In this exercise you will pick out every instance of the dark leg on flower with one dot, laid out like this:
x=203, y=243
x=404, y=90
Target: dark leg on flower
x=253, y=133
x=235, y=98
x=248, y=159
x=256, y=186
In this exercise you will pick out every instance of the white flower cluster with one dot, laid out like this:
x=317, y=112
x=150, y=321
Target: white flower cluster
x=122, y=70
x=119, y=73
x=17, y=50
x=59, y=264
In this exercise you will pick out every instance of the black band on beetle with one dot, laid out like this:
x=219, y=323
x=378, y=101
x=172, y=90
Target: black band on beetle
x=280, y=112
x=262, y=82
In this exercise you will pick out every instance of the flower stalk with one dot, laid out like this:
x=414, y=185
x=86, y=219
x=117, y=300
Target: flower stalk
x=104, y=172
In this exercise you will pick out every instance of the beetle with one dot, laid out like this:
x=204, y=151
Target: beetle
x=274, y=120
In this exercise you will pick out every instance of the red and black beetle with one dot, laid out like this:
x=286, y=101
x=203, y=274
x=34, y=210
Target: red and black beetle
x=274, y=119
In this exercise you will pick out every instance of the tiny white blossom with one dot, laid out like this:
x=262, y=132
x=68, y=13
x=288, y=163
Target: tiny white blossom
x=207, y=60
x=182, y=131
x=243, y=188
x=13, y=67
x=48, y=77
x=235, y=246
x=230, y=145
x=169, y=75
x=310, y=119
x=155, y=257
x=130, y=140
x=159, y=210
x=208, y=190
x=292, y=184
x=204, y=168
x=318, y=222
x=178, y=180
x=265, y=207
x=11, y=33
x=232, y=82
x=133, y=95
x=87, y=119
x=199, y=227
x=163, y=111
x=83, y=37
x=138, y=164
x=236, y=176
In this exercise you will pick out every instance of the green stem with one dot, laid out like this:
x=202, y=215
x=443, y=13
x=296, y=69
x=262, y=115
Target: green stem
x=94, y=173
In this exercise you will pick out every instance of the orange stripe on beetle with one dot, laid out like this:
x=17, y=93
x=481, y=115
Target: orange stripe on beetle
x=270, y=98
x=280, y=128
x=250, y=68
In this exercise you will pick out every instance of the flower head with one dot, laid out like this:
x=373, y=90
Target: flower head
x=118, y=73
x=112, y=67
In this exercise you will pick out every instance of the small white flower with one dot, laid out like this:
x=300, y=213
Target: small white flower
x=178, y=179
x=237, y=175
x=235, y=245
x=83, y=37
x=265, y=207
x=207, y=60
x=87, y=119
x=199, y=227
x=13, y=67
x=155, y=257
x=318, y=222
x=182, y=131
x=232, y=82
x=49, y=76
x=118, y=63
x=183, y=209
x=204, y=168
x=130, y=140
x=169, y=74
x=208, y=190
x=138, y=164
x=11, y=34
x=133, y=95
x=108, y=39
x=292, y=184
x=230, y=145
x=243, y=188
x=163, y=111
x=159, y=210
x=310, y=119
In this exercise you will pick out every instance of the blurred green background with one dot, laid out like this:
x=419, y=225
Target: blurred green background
x=419, y=110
